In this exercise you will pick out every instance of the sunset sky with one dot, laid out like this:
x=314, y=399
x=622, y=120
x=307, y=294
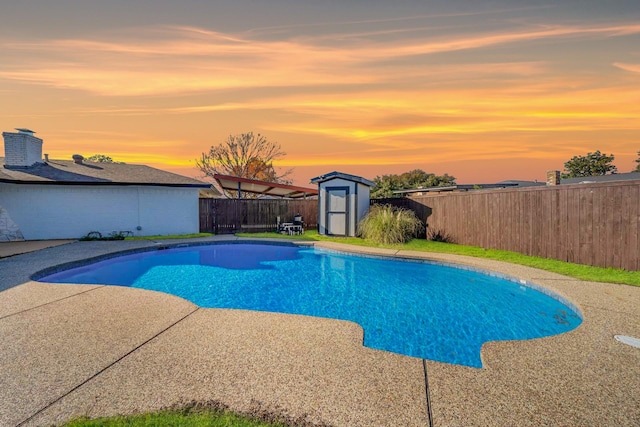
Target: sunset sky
x=481, y=90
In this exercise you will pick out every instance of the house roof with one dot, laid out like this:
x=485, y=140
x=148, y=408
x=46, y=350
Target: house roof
x=602, y=178
x=67, y=172
x=342, y=175
x=466, y=187
x=235, y=183
x=457, y=187
x=521, y=183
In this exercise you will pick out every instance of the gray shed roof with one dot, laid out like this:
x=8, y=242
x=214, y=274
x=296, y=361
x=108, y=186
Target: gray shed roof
x=342, y=175
x=67, y=172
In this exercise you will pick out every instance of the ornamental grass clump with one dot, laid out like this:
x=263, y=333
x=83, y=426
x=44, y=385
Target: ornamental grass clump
x=387, y=224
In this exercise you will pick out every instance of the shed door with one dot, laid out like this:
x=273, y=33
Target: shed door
x=337, y=210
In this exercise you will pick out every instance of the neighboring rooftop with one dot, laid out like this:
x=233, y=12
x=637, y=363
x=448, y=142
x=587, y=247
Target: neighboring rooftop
x=70, y=172
x=521, y=183
x=467, y=187
x=245, y=185
x=602, y=178
x=23, y=163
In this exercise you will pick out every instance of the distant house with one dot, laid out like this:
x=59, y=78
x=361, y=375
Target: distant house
x=554, y=177
x=601, y=178
x=55, y=199
x=415, y=192
x=520, y=183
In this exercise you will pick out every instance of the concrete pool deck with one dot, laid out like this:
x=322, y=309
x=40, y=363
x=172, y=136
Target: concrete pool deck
x=8, y=249
x=72, y=350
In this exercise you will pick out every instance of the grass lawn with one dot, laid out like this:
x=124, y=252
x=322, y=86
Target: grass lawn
x=583, y=272
x=184, y=418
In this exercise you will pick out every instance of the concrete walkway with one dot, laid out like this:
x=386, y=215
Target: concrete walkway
x=71, y=350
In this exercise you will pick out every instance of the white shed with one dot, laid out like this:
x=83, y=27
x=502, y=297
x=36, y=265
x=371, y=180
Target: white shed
x=343, y=200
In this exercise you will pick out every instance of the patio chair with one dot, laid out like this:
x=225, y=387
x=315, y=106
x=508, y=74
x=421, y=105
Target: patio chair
x=283, y=227
x=294, y=227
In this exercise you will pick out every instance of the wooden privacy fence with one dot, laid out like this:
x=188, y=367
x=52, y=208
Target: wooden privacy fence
x=222, y=216
x=592, y=224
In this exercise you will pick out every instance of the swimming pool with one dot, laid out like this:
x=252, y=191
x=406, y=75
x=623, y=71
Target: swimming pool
x=415, y=308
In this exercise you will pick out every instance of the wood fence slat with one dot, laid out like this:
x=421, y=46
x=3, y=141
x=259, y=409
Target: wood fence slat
x=549, y=224
x=585, y=234
x=536, y=224
x=628, y=236
x=618, y=233
x=527, y=247
x=573, y=222
x=608, y=202
x=560, y=214
x=598, y=229
x=635, y=219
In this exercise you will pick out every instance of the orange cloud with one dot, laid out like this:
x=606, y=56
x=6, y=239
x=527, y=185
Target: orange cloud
x=480, y=41
x=178, y=59
x=634, y=68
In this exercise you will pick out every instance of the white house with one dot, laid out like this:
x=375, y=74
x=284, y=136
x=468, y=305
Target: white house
x=343, y=200
x=56, y=199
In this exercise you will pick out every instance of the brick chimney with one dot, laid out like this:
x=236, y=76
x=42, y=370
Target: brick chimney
x=553, y=177
x=21, y=149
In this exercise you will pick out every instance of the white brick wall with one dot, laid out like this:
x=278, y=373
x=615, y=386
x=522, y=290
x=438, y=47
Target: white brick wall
x=21, y=149
x=72, y=211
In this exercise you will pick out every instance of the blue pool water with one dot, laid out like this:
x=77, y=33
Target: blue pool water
x=419, y=309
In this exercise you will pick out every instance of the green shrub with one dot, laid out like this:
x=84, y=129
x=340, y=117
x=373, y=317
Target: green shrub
x=387, y=224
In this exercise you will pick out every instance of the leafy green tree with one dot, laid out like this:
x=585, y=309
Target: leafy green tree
x=101, y=158
x=246, y=155
x=637, y=169
x=593, y=164
x=417, y=178
x=385, y=185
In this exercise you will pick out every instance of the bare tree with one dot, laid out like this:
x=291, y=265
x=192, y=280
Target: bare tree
x=245, y=156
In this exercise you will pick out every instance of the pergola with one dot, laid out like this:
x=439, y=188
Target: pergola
x=245, y=185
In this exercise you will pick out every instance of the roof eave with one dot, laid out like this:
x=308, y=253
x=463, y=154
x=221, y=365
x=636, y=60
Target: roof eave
x=106, y=183
x=342, y=175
